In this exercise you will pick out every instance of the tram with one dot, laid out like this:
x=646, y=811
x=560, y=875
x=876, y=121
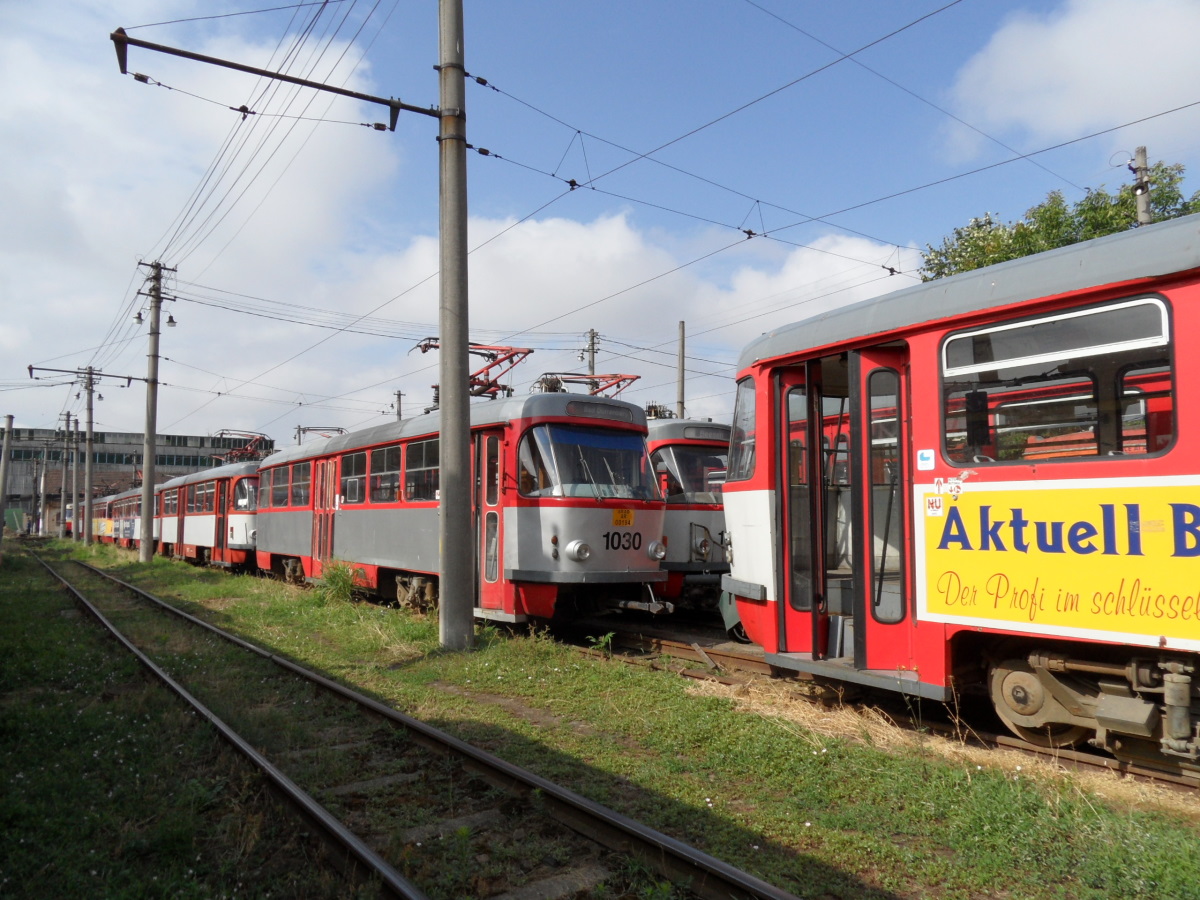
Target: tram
x=567, y=513
x=689, y=457
x=988, y=483
x=209, y=516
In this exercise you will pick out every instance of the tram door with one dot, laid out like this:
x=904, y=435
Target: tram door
x=809, y=543
x=221, y=537
x=325, y=493
x=844, y=430
x=883, y=632
x=488, y=525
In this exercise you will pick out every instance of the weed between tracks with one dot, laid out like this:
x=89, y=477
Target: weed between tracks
x=822, y=810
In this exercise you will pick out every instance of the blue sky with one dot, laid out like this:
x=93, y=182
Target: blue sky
x=846, y=136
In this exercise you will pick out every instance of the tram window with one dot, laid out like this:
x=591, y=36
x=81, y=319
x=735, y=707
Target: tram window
x=279, y=486
x=1148, y=417
x=886, y=503
x=264, y=489
x=354, y=476
x=534, y=478
x=191, y=498
x=491, y=547
x=244, y=491
x=491, y=455
x=385, y=474
x=301, y=483
x=1088, y=383
x=800, y=534
x=741, y=438
x=690, y=473
x=421, y=473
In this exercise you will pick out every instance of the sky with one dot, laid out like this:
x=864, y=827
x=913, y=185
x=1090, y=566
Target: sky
x=734, y=165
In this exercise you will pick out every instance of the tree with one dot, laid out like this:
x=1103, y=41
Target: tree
x=1052, y=223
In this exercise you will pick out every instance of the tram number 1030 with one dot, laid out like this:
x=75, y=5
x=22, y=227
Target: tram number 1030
x=622, y=540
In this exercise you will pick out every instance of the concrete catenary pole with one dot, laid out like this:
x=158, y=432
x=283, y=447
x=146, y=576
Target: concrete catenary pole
x=1141, y=188
x=43, y=527
x=89, y=386
x=8, y=426
x=62, y=484
x=150, y=442
x=75, y=535
x=456, y=622
x=679, y=366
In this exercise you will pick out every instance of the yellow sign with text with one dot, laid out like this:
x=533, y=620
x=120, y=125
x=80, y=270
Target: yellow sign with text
x=1113, y=560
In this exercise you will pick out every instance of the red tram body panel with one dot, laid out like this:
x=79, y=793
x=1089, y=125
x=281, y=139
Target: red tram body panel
x=989, y=482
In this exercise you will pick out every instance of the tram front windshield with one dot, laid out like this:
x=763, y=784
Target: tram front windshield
x=580, y=461
x=691, y=474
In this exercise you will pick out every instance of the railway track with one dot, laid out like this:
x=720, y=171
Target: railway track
x=405, y=805
x=717, y=659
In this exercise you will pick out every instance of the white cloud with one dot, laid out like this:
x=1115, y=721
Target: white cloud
x=1087, y=65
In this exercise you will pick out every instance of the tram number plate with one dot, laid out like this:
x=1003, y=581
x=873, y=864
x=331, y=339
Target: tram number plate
x=622, y=518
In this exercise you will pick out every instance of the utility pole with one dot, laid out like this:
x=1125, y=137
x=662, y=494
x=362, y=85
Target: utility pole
x=43, y=527
x=75, y=536
x=89, y=385
x=679, y=366
x=399, y=415
x=8, y=425
x=591, y=350
x=62, y=489
x=146, y=545
x=456, y=619
x=1141, y=186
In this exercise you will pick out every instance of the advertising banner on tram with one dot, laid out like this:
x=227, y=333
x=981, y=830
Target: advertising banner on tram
x=1084, y=559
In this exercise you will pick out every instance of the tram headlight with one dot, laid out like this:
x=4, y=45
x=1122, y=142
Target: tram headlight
x=578, y=551
x=657, y=550
x=702, y=547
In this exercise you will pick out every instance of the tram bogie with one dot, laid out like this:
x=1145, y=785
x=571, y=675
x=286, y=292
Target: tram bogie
x=988, y=490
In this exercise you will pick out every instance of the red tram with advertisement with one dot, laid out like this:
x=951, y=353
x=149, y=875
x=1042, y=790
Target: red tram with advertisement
x=568, y=516
x=989, y=483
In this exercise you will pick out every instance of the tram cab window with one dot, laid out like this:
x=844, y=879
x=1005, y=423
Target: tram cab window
x=585, y=461
x=690, y=473
x=1084, y=383
x=354, y=476
x=741, y=439
x=244, y=491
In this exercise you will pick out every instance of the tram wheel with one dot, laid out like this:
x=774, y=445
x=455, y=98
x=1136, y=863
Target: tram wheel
x=1017, y=693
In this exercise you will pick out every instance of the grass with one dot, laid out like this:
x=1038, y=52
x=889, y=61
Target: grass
x=822, y=803
x=91, y=750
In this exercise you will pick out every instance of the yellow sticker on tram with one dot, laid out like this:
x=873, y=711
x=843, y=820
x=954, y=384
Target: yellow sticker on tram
x=622, y=518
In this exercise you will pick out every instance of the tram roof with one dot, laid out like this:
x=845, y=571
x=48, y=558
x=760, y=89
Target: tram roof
x=687, y=430
x=1152, y=251
x=229, y=470
x=483, y=413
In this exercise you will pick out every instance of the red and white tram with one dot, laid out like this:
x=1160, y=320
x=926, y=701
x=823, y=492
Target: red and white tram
x=689, y=459
x=209, y=516
x=989, y=482
x=568, y=516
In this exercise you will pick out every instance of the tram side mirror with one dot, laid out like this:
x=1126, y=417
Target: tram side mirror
x=979, y=432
